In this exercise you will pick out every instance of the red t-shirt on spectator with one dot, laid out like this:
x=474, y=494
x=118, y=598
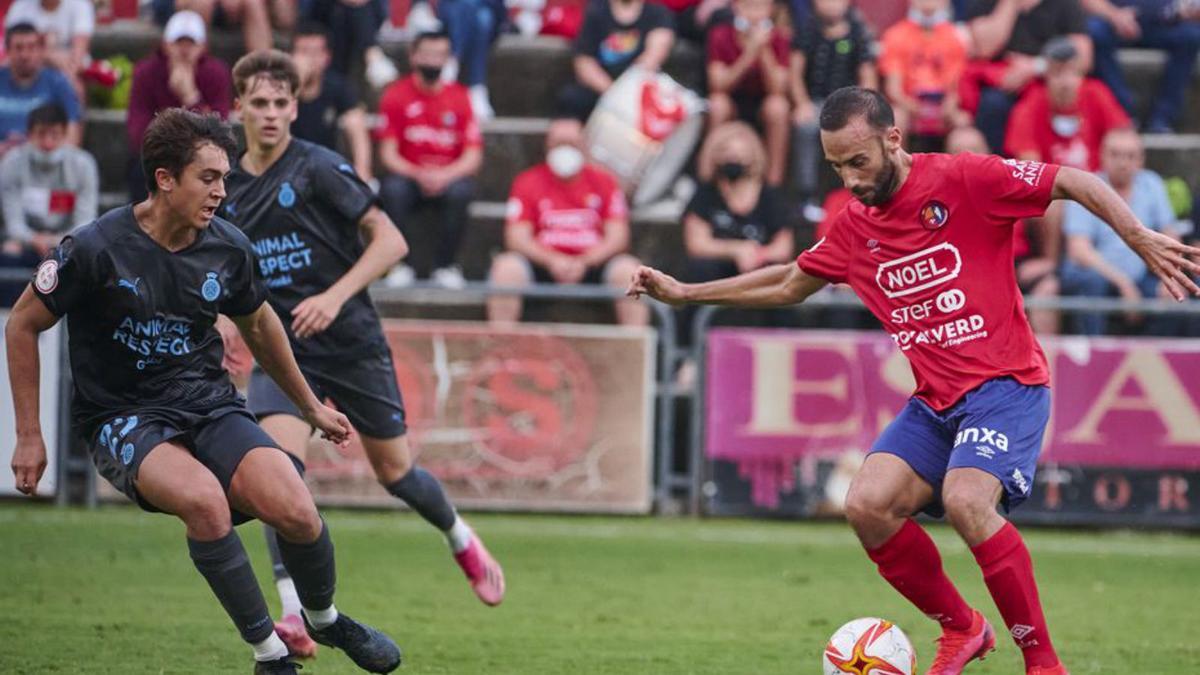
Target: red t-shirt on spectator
x=1031, y=130
x=723, y=47
x=567, y=215
x=677, y=6
x=151, y=92
x=430, y=128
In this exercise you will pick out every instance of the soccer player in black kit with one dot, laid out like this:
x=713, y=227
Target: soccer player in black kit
x=141, y=288
x=308, y=215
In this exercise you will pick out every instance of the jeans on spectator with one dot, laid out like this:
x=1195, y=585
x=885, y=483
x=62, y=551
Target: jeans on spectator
x=401, y=196
x=991, y=118
x=576, y=101
x=807, y=155
x=1181, y=42
x=352, y=27
x=473, y=25
x=27, y=259
x=1078, y=280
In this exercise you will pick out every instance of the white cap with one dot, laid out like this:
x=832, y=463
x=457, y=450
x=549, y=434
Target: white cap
x=184, y=24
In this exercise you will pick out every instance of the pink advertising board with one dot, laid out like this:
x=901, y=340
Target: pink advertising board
x=777, y=397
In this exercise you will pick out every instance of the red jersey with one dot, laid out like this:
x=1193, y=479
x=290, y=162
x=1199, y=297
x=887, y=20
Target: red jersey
x=935, y=266
x=567, y=215
x=1031, y=127
x=430, y=129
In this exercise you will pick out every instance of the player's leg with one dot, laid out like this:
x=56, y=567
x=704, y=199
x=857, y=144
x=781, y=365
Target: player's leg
x=173, y=481
x=899, y=478
x=993, y=462
x=263, y=482
x=281, y=420
x=367, y=392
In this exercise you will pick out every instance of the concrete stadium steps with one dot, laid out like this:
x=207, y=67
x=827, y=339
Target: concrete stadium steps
x=526, y=73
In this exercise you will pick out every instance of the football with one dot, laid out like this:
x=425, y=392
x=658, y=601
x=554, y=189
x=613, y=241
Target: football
x=869, y=647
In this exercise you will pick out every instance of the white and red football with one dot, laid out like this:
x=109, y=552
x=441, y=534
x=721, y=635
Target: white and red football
x=869, y=647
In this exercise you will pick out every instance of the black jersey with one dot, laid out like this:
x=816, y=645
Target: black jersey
x=140, y=318
x=302, y=215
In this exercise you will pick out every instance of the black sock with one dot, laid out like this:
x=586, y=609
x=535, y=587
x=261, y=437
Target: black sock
x=226, y=567
x=420, y=490
x=312, y=569
x=272, y=538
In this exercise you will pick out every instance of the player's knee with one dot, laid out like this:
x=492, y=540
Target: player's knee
x=966, y=505
x=390, y=469
x=867, y=508
x=297, y=520
x=205, y=511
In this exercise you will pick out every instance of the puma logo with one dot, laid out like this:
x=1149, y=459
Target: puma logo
x=131, y=285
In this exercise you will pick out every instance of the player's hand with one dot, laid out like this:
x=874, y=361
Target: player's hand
x=332, y=424
x=237, y=359
x=660, y=286
x=1171, y=261
x=29, y=462
x=315, y=313
x=1124, y=21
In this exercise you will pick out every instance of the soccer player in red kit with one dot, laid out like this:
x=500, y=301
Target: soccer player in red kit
x=927, y=246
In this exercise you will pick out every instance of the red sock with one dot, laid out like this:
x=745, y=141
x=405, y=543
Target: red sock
x=1008, y=573
x=911, y=564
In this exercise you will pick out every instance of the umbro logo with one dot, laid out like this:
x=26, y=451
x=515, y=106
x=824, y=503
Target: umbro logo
x=1021, y=631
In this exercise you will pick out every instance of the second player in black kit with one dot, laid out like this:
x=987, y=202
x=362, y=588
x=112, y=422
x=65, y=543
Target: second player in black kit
x=320, y=240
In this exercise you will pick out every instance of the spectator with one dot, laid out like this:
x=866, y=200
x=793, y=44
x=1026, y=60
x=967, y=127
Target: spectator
x=27, y=82
x=830, y=51
x=254, y=16
x=432, y=150
x=353, y=26
x=616, y=35
x=473, y=26
x=1036, y=244
x=748, y=78
x=1171, y=27
x=1099, y=263
x=1064, y=120
x=1008, y=36
x=735, y=222
x=180, y=74
x=567, y=223
x=67, y=27
x=328, y=101
x=46, y=188
x=921, y=59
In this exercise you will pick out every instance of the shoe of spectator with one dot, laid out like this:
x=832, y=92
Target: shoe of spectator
x=401, y=276
x=450, y=71
x=449, y=277
x=421, y=19
x=381, y=72
x=480, y=105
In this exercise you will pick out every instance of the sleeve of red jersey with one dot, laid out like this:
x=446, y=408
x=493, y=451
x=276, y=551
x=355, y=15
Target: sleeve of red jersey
x=829, y=258
x=472, y=135
x=1004, y=190
x=390, y=106
x=615, y=207
x=520, y=207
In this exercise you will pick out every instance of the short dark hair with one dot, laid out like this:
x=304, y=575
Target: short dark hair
x=23, y=28
x=435, y=34
x=47, y=114
x=271, y=64
x=310, y=28
x=174, y=136
x=847, y=103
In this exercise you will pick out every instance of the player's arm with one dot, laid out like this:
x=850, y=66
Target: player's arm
x=1167, y=258
x=771, y=286
x=385, y=247
x=29, y=318
x=264, y=335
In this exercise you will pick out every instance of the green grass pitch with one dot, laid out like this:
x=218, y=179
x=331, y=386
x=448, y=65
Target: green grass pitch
x=113, y=591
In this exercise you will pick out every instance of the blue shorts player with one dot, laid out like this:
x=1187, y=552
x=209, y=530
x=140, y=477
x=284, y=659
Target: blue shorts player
x=141, y=289
x=320, y=239
x=927, y=246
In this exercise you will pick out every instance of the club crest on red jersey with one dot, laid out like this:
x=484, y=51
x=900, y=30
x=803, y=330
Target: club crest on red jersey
x=934, y=215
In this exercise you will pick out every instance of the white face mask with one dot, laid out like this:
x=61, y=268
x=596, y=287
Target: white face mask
x=928, y=20
x=565, y=160
x=1065, y=126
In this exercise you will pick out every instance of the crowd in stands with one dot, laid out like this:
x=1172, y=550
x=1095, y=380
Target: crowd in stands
x=1029, y=79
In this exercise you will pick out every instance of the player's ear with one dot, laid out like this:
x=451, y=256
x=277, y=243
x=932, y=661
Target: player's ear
x=164, y=179
x=892, y=139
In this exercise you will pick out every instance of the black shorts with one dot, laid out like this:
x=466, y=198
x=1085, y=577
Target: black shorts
x=594, y=275
x=219, y=439
x=364, y=389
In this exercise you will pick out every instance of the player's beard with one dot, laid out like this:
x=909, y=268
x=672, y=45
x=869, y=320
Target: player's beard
x=884, y=186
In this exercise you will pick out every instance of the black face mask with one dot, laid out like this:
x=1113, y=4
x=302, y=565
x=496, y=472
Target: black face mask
x=429, y=74
x=731, y=171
